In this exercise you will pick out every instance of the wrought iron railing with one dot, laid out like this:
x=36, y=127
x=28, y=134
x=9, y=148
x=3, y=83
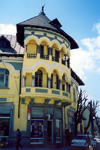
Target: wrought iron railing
x=55, y=59
x=31, y=55
x=63, y=62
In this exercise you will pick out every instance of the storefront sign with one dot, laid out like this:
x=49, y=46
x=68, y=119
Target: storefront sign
x=29, y=116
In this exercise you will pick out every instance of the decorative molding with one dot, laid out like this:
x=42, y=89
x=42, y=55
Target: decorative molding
x=28, y=90
x=55, y=92
x=3, y=99
x=41, y=90
x=65, y=94
x=11, y=66
x=50, y=67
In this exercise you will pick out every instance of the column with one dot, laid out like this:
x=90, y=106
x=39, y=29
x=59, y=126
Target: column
x=50, y=53
x=33, y=80
x=24, y=78
x=60, y=84
x=49, y=79
x=59, y=57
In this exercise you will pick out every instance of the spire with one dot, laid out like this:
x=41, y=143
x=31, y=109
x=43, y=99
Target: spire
x=42, y=10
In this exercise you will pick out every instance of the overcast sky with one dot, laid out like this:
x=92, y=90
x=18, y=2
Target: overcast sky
x=79, y=18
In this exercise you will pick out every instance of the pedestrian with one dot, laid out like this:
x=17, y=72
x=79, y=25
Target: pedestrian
x=18, y=139
x=88, y=140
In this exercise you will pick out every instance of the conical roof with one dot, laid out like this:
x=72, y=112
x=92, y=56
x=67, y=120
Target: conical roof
x=42, y=21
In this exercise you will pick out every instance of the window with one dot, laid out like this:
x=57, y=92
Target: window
x=4, y=126
x=38, y=78
x=41, y=51
x=57, y=82
x=74, y=99
x=3, y=43
x=58, y=131
x=68, y=87
x=4, y=77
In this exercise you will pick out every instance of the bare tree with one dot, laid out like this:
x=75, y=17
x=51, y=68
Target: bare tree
x=92, y=106
x=81, y=107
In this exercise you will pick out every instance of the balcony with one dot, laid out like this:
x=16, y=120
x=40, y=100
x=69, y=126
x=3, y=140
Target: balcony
x=45, y=93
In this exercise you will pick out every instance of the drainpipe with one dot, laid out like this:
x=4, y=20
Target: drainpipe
x=19, y=95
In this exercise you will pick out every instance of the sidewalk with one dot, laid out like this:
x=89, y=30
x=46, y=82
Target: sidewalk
x=42, y=148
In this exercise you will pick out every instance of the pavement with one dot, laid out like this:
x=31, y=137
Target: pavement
x=41, y=148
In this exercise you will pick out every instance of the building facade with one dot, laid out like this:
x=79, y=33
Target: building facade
x=38, y=88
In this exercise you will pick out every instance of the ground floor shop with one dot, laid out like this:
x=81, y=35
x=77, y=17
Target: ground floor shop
x=6, y=122
x=45, y=124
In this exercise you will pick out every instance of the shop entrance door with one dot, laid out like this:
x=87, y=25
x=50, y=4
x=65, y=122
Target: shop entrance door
x=50, y=131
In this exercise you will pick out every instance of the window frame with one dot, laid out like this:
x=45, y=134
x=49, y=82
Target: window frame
x=6, y=77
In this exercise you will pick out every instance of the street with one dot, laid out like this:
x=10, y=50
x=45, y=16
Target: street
x=61, y=148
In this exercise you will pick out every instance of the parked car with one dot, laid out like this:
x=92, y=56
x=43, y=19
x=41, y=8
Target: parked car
x=79, y=142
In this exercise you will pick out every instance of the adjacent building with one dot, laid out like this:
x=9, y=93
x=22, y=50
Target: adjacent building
x=38, y=88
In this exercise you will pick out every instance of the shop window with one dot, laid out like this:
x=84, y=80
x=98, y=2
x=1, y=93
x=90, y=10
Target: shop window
x=38, y=78
x=4, y=126
x=58, y=131
x=4, y=77
x=36, y=132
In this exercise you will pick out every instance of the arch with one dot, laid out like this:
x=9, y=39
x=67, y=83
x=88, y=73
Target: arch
x=43, y=69
x=68, y=53
x=56, y=69
x=44, y=39
x=62, y=46
x=56, y=43
x=48, y=67
x=8, y=65
x=31, y=37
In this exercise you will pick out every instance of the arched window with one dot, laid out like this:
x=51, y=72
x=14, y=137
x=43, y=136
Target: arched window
x=4, y=77
x=38, y=78
x=57, y=82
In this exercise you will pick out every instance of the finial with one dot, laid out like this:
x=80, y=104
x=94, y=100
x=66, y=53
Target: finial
x=42, y=11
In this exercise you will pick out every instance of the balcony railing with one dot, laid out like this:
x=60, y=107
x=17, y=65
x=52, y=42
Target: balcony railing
x=31, y=55
x=63, y=62
x=46, y=57
x=55, y=59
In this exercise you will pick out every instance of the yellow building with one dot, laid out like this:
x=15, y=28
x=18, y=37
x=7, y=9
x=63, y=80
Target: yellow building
x=38, y=88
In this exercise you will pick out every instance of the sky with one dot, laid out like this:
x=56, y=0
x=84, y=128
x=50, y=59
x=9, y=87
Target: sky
x=79, y=18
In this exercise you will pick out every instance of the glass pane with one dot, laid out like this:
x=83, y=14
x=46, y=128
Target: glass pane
x=1, y=80
x=7, y=71
x=4, y=126
x=6, y=81
x=37, y=128
x=58, y=130
x=36, y=81
x=2, y=70
x=40, y=81
x=49, y=131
